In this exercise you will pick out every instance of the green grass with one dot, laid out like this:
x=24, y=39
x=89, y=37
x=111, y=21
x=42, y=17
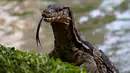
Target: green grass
x=94, y=23
x=85, y=6
x=15, y=61
x=123, y=6
x=78, y=9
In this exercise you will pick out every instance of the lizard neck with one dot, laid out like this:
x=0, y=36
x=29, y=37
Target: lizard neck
x=62, y=33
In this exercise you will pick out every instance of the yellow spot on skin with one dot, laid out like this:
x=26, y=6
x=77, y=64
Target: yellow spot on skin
x=49, y=11
x=53, y=18
x=48, y=19
x=68, y=18
x=66, y=23
x=58, y=17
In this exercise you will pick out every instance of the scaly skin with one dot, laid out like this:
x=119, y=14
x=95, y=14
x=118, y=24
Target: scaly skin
x=69, y=46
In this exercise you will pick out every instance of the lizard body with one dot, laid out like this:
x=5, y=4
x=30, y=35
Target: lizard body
x=69, y=46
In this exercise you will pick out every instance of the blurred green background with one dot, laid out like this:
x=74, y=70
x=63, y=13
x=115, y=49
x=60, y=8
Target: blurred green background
x=105, y=23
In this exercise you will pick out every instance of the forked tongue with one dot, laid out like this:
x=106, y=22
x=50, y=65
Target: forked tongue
x=37, y=32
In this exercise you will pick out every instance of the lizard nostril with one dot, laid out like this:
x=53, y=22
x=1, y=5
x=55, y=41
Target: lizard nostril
x=45, y=11
x=43, y=14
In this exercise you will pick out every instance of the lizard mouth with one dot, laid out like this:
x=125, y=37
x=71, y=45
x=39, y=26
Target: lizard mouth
x=47, y=17
x=55, y=17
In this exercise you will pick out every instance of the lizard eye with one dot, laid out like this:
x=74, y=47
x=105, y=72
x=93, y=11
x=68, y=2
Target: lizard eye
x=59, y=9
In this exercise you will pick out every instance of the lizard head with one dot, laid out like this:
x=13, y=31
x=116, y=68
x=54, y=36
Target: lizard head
x=57, y=13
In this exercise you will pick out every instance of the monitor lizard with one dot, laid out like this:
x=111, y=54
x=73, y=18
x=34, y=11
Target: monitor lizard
x=69, y=46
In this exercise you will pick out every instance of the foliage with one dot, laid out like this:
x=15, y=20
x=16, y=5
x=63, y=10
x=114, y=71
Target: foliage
x=123, y=6
x=15, y=61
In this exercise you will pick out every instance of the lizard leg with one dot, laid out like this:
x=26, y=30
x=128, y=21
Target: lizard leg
x=54, y=54
x=85, y=60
